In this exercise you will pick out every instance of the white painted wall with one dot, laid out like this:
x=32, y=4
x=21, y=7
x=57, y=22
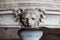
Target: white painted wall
x=52, y=20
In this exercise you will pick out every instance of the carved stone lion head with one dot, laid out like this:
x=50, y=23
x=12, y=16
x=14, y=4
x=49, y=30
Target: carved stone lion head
x=29, y=17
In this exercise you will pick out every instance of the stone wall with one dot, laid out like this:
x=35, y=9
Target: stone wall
x=9, y=33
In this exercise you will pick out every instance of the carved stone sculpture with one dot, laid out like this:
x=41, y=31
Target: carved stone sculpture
x=31, y=17
x=28, y=19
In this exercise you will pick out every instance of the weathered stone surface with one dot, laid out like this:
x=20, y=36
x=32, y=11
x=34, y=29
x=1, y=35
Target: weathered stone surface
x=15, y=4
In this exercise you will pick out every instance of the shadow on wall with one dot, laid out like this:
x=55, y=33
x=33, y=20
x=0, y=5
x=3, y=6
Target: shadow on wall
x=8, y=33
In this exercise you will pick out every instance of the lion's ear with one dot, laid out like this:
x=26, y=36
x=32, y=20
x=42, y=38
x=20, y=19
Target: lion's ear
x=40, y=10
x=19, y=11
x=42, y=13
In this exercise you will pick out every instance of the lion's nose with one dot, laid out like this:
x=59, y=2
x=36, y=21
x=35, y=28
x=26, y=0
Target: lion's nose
x=27, y=20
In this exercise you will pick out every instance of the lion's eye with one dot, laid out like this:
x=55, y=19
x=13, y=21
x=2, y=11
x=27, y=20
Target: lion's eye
x=24, y=18
x=33, y=18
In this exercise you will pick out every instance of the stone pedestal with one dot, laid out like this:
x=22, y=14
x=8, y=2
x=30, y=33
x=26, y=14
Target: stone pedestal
x=30, y=34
